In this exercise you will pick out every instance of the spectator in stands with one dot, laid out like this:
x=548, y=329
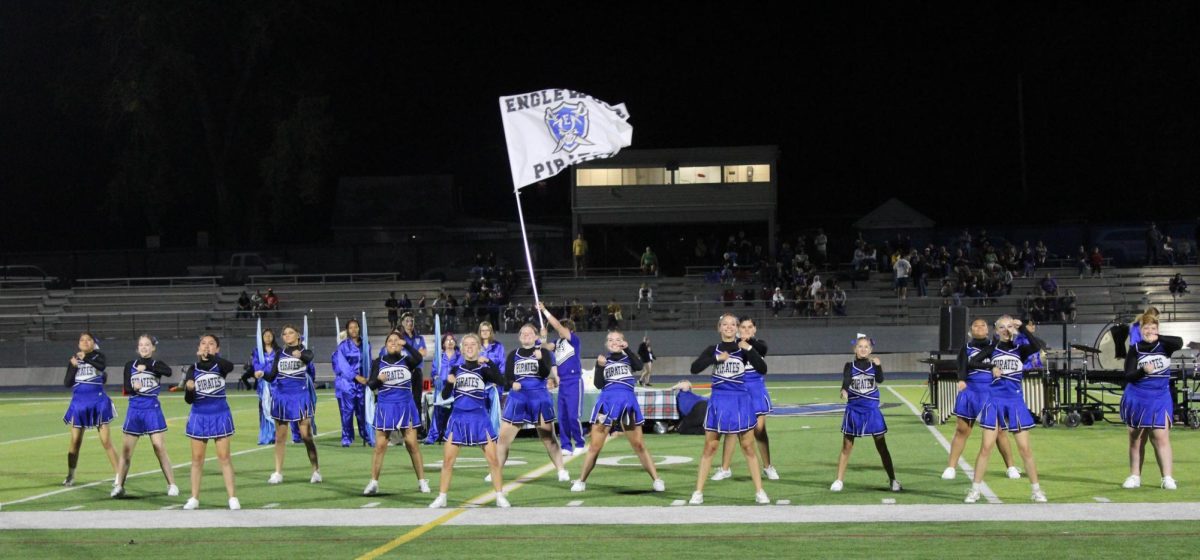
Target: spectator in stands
x=257, y=302
x=920, y=273
x=1006, y=280
x=579, y=250
x=646, y=294
x=1040, y=253
x=405, y=303
x=821, y=244
x=244, y=307
x=1028, y=261
x=1168, y=250
x=393, y=310
x=614, y=315
x=510, y=317
x=595, y=314
x=1049, y=285
x=1067, y=306
x=271, y=301
x=778, y=301
x=1096, y=261
x=649, y=263
x=578, y=313
x=646, y=355
x=1153, y=244
x=838, y=300
x=947, y=293
x=1178, y=285
x=902, y=269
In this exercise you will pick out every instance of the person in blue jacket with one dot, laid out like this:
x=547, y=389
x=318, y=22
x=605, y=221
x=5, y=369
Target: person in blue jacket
x=350, y=385
x=450, y=357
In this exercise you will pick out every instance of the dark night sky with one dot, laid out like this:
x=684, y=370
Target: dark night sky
x=866, y=101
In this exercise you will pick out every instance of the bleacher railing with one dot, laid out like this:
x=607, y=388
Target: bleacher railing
x=149, y=282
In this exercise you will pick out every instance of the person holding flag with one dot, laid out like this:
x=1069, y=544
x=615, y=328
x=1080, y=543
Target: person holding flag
x=570, y=383
x=261, y=360
x=292, y=400
x=493, y=350
x=393, y=376
x=350, y=385
x=447, y=359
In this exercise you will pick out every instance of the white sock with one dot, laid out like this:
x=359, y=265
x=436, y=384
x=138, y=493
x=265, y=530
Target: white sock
x=976, y=485
x=1036, y=486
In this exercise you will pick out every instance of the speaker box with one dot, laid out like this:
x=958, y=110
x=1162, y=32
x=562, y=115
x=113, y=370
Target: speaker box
x=952, y=328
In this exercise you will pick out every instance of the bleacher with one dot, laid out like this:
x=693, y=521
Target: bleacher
x=18, y=307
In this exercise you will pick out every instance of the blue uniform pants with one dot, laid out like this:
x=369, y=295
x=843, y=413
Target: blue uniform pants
x=570, y=400
x=353, y=404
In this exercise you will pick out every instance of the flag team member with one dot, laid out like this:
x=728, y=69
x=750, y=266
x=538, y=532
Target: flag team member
x=90, y=406
x=529, y=401
x=493, y=350
x=350, y=386
x=1146, y=404
x=393, y=376
x=760, y=401
x=617, y=409
x=292, y=401
x=974, y=390
x=860, y=388
x=1005, y=409
x=261, y=365
x=144, y=416
x=469, y=424
x=441, y=413
x=570, y=383
x=729, y=408
x=210, y=417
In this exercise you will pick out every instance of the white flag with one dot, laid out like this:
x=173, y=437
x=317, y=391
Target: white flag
x=551, y=129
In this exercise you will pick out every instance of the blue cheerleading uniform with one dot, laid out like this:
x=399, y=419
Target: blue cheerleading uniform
x=860, y=381
x=729, y=408
x=974, y=368
x=290, y=398
x=570, y=392
x=145, y=415
x=469, y=423
x=90, y=406
x=617, y=405
x=756, y=383
x=1146, y=401
x=1005, y=408
x=395, y=408
x=351, y=395
x=210, y=417
x=531, y=403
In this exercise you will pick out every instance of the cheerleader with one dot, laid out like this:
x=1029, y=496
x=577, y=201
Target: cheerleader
x=617, y=409
x=261, y=365
x=974, y=389
x=760, y=400
x=1147, y=407
x=1005, y=408
x=393, y=377
x=469, y=424
x=144, y=416
x=493, y=350
x=441, y=413
x=90, y=406
x=210, y=417
x=860, y=390
x=291, y=400
x=528, y=401
x=729, y=407
x=570, y=383
x=350, y=385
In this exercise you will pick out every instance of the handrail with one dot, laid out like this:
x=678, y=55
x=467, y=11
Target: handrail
x=346, y=278
x=148, y=282
x=592, y=272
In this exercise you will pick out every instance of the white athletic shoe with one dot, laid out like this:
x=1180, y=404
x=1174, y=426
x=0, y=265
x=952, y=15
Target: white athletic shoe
x=948, y=474
x=276, y=478
x=579, y=451
x=836, y=486
x=117, y=492
x=1013, y=473
x=192, y=503
x=697, y=498
x=316, y=478
x=1134, y=481
x=372, y=488
x=972, y=496
x=1038, y=496
x=771, y=473
x=564, y=476
x=488, y=478
x=1168, y=483
x=423, y=485
x=567, y=453
x=722, y=474
x=578, y=486
x=440, y=502
x=760, y=497
x=659, y=485
x=172, y=490
x=234, y=503
x=501, y=500
x=69, y=481
x=896, y=487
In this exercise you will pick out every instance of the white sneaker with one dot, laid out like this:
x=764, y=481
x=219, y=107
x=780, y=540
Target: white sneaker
x=972, y=496
x=1134, y=481
x=316, y=478
x=836, y=486
x=372, y=488
x=896, y=486
x=234, y=503
x=659, y=485
x=172, y=490
x=948, y=474
x=69, y=481
x=423, y=485
x=771, y=473
x=192, y=503
x=1013, y=473
x=1038, y=496
x=488, y=478
x=1168, y=483
x=276, y=478
x=697, y=498
x=567, y=453
x=117, y=492
x=564, y=476
x=501, y=500
x=579, y=451
x=578, y=486
x=440, y=502
x=722, y=474
x=760, y=497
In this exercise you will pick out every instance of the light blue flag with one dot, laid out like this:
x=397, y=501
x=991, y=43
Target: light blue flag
x=369, y=395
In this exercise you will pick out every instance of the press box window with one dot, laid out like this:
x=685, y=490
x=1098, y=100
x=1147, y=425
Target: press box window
x=747, y=173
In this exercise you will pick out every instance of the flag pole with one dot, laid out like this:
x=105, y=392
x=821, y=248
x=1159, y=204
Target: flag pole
x=528, y=258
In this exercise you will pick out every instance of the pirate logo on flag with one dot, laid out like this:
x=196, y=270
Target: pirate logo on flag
x=568, y=124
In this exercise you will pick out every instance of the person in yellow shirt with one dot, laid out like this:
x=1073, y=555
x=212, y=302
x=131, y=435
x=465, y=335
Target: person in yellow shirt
x=579, y=249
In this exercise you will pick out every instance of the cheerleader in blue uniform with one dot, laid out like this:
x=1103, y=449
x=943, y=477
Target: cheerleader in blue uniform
x=469, y=424
x=570, y=387
x=145, y=417
x=291, y=400
x=617, y=409
x=451, y=357
x=729, y=407
x=1005, y=409
x=350, y=385
x=493, y=350
x=90, y=406
x=1146, y=404
x=860, y=389
x=261, y=365
x=974, y=390
x=393, y=376
x=529, y=401
x=210, y=417
x=760, y=400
